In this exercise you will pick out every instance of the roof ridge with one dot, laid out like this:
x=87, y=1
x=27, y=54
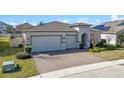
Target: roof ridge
x=56, y=22
x=24, y=23
x=5, y=23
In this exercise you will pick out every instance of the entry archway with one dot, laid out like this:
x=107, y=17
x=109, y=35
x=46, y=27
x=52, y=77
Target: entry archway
x=84, y=40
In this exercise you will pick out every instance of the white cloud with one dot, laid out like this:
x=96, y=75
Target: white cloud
x=25, y=21
x=17, y=23
x=84, y=20
x=13, y=23
x=60, y=20
x=98, y=21
x=63, y=20
x=116, y=17
x=34, y=24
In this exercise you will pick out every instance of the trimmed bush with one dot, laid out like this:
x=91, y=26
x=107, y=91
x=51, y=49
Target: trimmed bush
x=28, y=49
x=101, y=43
x=110, y=46
x=23, y=55
x=103, y=49
x=97, y=49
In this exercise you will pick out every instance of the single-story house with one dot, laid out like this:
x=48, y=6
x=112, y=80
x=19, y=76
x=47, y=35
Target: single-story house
x=16, y=38
x=4, y=27
x=111, y=35
x=54, y=36
x=21, y=27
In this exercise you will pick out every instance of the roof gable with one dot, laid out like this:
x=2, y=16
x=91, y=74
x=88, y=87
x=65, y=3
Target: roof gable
x=23, y=26
x=2, y=23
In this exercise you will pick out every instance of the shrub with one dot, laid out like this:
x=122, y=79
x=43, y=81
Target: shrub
x=91, y=45
x=1, y=49
x=23, y=55
x=120, y=45
x=81, y=46
x=28, y=49
x=101, y=43
x=95, y=50
x=20, y=45
x=110, y=46
x=120, y=38
x=103, y=49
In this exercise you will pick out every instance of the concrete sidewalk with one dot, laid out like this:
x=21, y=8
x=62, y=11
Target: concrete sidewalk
x=80, y=69
x=116, y=71
x=37, y=76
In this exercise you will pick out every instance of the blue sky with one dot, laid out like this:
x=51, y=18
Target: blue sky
x=35, y=19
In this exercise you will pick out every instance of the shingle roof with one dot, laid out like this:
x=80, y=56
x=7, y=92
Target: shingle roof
x=4, y=23
x=92, y=29
x=23, y=26
x=52, y=26
x=115, y=29
x=113, y=23
x=121, y=24
x=80, y=24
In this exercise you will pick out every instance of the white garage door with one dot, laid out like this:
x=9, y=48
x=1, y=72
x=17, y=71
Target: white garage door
x=71, y=42
x=46, y=43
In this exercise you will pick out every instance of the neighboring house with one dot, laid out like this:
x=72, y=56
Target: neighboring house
x=54, y=36
x=17, y=38
x=110, y=30
x=111, y=35
x=3, y=27
x=95, y=35
x=21, y=27
x=107, y=25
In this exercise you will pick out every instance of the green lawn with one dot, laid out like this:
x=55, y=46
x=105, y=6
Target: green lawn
x=7, y=53
x=111, y=55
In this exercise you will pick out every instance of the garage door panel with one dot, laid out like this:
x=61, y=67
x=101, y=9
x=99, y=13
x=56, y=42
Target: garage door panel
x=71, y=42
x=46, y=43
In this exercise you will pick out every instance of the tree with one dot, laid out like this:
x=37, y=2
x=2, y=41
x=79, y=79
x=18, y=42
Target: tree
x=41, y=23
x=10, y=29
x=120, y=38
x=94, y=40
x=109, y=37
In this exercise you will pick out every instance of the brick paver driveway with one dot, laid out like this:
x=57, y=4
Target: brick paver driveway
x=51, y=61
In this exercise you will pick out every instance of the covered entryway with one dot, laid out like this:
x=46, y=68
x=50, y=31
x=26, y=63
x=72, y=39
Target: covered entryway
x=71, y=42
x=46, y=43
x=84, y=40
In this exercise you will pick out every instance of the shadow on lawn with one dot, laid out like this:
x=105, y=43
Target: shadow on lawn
x=16, y=70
